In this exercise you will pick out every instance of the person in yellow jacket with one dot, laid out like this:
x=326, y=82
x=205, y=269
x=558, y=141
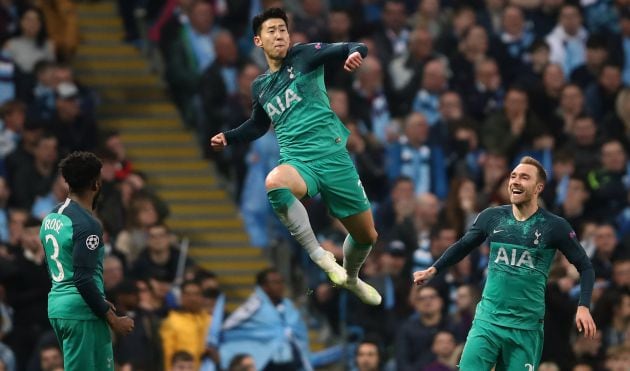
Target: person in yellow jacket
x=186, y=329
x=62, y=26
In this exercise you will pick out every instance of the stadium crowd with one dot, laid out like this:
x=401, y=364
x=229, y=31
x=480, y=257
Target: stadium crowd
x=451, y=95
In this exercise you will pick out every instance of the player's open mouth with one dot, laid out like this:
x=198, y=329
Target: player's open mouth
x=517, y=191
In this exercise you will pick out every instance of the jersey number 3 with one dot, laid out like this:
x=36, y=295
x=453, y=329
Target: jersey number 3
x=58, y=277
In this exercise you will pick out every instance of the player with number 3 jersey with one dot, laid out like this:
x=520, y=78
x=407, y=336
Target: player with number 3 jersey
x=73, y=243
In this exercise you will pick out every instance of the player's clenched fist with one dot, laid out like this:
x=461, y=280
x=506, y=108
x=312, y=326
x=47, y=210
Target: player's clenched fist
x=120, y=325
x=422, y=277
x=218, y=142
x=353, y=62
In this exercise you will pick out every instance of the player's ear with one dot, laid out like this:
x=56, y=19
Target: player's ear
x=540, y=187
x=257, y=41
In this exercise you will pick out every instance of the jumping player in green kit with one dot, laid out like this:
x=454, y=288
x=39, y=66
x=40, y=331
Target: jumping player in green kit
x=508, y=328
x=73, y=242
x=312, y=139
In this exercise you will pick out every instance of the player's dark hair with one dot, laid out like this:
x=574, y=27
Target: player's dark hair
x=182, y=356
x=542, y=174
x=270, y=13
x=261, y=277
x=80, y=170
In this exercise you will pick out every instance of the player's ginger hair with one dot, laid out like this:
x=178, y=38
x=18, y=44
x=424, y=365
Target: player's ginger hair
x=542, y=174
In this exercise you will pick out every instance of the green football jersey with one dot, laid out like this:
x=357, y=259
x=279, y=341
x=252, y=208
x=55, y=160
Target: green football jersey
x=294, y=100
x=521, y=253
x=72, y=238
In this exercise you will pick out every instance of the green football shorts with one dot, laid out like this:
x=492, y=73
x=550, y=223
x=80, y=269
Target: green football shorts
x=488, y=345
x=86, y=345
x=336, y=178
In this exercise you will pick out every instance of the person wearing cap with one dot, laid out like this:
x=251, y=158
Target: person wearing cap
x=75, y=131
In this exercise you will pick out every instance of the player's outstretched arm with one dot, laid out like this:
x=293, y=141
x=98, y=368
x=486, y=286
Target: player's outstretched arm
x=253, y=128
x=350, y=53
x=584, y=322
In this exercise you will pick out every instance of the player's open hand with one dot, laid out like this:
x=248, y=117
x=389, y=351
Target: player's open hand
x=353, y=62
x=422, y=277
x=218, y=142
x=584, y=322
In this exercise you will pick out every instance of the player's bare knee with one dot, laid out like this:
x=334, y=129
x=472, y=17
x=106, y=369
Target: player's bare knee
x=274, y=182
x=367, y=237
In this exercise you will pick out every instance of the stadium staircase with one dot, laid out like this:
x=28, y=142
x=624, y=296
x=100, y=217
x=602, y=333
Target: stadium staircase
x=133, y=101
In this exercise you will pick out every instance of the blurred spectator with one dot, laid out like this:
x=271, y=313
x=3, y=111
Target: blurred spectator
x=413, y=157
x=601, y=94
x=571, y=107
x=63, y=72
x=368, y=155
x=567, y=40
x=415, y=230
x=25, y=150
x=622, y=44
x=5, y=192
x=17, y=220
x=242, y=362
x=398, y=205
x=269, y=326
x=584, y=145
x=431, y=17
x=495, y=170
x=446, y=351
x=513, y=128
x=416, y=335
x=141, y=214
x=473, y=48
x=516, y=39
x=312, y=19
x=461, y=208
x=190, y=53
x=74, y=130
x=548, y=366
x=50, y=357
x=616, y=124
x=546, y=97
x=485, y=94
x=219, y=82
x=260, y=221
x=558, y=316
x=182, y=361
x=27, y=285
x=185, y=329
x=13, y=115
x=466, y=299
x=32, y=43
x=113, y=273
x=490, y=16
x=618, y=358
x=462, y=22
x=605, y=248
x=159, y=254
x=113, y=142
x=41, y=96
x=434, y=83
x=141, y=349
x=62, y=25
x=596, y=56
x=43, y=204
x=391, y=38
x=404, y=73
x=589, y=350
x=368, y=356
x=368, y=102
x=573, y=208
x=35, y=178
x=609, y=183
x=442, y=236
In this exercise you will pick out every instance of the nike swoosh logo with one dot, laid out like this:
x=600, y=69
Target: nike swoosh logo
x=497, y=230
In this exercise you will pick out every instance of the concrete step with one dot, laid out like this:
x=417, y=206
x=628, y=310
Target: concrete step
x=143, y=125
x=211, y=252
x=206, y=224
x=131, y=109
x=152, y=138
x=247, y=267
